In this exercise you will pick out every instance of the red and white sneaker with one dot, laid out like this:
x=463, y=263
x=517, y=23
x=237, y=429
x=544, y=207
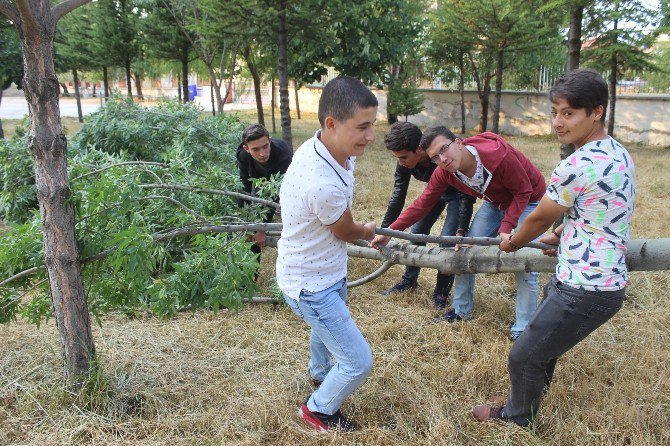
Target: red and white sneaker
x=323, y=422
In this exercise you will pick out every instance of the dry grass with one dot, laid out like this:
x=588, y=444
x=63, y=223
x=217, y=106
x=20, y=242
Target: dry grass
x=236, y=378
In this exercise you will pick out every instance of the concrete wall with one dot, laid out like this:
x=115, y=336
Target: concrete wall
x=639, y=118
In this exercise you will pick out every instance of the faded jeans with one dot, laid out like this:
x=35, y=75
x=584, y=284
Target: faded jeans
x=334, y=334
x=451, y=202
x=565, y=317
x=486, y=222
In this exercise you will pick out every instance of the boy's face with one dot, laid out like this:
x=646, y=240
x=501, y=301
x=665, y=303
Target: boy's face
x=446, y=153
x=259, y=149
x=409, y=159
x=575, y=125
x=354, y=134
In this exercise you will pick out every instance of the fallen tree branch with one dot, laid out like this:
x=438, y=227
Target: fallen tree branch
x=453, y=240
x=372, y=276
x=212, y=192
x=132, y=163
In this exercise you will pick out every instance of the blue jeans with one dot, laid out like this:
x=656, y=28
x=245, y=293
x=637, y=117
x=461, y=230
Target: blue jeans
x=334, y=333
x=451, y=202
x=485, y=224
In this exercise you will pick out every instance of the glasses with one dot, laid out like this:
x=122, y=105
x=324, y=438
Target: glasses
x=438, y=157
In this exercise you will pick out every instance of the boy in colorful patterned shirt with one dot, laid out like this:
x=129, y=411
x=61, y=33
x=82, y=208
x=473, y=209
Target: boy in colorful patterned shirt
x=594, y=190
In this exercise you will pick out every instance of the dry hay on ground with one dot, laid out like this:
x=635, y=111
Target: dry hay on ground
x=236, y=378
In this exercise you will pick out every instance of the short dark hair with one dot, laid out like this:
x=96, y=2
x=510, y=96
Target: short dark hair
x=254, y=132
x=403, y=136
x=342, y=97
x=433, y=132
x=581, y=88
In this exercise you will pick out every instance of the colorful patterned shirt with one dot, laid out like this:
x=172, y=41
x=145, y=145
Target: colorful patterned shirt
x=597, y=183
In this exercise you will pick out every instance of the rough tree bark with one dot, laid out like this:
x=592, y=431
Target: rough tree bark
x=284, y=108
x=36, y=23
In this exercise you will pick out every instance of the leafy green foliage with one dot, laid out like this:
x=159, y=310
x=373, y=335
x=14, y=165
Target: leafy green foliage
x=11, y=62
x=17, y=194
x=123, y=202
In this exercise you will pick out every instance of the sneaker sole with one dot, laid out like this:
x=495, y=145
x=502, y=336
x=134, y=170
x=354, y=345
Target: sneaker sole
x=311, y=421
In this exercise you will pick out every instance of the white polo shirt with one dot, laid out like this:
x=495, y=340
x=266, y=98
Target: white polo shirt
x=314, y=194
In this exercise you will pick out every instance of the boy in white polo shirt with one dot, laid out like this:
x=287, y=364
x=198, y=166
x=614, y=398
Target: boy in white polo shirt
x=316, y=196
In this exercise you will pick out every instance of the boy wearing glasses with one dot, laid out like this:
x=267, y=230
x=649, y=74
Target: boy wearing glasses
x=402, y=141
x=488, y=167
x=594, y=191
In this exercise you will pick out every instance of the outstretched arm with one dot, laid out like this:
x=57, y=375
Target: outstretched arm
x=535, y=224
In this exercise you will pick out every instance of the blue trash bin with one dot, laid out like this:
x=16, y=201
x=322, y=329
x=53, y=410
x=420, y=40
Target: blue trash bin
x=192, y=92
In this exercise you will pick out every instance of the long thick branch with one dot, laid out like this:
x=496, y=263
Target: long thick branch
x=68, y=5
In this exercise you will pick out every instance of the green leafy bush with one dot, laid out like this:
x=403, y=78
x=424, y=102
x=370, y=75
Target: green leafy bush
x=135, y=175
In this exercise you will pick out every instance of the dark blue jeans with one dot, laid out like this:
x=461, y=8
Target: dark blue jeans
x=565, y=316
x=423, y=226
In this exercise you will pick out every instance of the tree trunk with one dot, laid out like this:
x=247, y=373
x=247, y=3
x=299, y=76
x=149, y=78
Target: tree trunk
x=105, y=82
x=138, y=86
x=613, y=78
x=64, y=86
x=574, y=53
x=215, y=84
x=284, y=108
x=273, y=106
x=183, y=86
x=483, y=91
x=461, y=88
x=395, y=74
x=296, y=87
x=129, y=79
x=253, y=69
x=179, y=89
x=498, y=95
x=211, y=98
x=47, y=143
x=2, y=133
x=575, y=37
x=77, y=96
x=94, y=89
x=641, y=255
x=484, y=101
